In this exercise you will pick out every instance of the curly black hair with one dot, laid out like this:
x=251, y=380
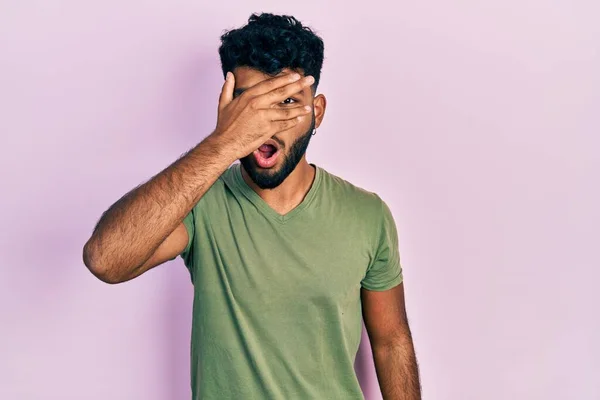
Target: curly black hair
x=269, y=43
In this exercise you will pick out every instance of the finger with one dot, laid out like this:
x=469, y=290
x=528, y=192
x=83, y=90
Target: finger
x=227, y=91
x=272, y=83
x=281, y=93
x=284, y=125
x=282, y=114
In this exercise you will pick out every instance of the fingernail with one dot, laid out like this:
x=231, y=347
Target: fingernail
x=310, y=79
x=295, y=77
x=228, y=76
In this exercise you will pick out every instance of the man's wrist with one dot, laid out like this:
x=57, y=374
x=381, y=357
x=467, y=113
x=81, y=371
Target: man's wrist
x=221, y=147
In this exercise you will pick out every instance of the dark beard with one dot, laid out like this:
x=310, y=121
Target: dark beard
x=271, y=179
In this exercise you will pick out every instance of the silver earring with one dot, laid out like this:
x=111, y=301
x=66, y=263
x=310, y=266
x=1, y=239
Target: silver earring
x=314, y=132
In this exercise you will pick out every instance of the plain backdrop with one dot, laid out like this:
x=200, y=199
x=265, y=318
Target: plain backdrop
x=478, y=122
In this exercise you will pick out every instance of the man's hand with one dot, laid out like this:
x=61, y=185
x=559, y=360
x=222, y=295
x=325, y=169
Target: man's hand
x=249, y=120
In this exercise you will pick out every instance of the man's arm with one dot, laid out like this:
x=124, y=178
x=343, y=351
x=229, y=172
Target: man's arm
x=385, y=319
x=144, y=228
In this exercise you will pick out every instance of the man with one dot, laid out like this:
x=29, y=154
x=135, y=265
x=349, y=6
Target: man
x=285, y=257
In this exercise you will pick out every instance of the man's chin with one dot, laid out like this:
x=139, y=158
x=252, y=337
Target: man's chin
x=264, y=178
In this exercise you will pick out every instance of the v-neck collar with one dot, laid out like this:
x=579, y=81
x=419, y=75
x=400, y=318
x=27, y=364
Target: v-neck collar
x=266, y=208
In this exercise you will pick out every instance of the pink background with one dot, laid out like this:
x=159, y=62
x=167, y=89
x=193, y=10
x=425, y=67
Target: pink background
x=477, y=122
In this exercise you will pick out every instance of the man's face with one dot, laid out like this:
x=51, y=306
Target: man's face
x=292, y=142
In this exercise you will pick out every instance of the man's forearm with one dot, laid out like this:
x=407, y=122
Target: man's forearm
x=397, y=370
x=132, y=228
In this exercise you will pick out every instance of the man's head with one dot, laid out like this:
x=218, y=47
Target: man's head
x=271, y=45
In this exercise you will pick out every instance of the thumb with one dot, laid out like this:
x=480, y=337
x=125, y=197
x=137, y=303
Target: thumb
x=227, y=91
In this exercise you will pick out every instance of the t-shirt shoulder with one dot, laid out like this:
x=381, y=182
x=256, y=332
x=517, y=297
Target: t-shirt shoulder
x=362, y=199
x=385, y=271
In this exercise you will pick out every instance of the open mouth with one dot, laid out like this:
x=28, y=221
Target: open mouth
x=266, y=155
x=267, y=150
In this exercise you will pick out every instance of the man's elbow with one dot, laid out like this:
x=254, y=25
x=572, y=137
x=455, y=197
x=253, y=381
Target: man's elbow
x=101, y=269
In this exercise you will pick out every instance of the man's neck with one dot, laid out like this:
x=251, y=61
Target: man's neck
x=292, y=190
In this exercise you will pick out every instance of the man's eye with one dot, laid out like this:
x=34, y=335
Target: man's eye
x=286, y=101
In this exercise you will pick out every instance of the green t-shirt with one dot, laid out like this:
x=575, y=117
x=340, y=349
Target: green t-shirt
x=277, y=308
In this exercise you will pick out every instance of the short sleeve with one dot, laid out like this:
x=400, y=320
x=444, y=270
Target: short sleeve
x=385, y=270
x=188, y=221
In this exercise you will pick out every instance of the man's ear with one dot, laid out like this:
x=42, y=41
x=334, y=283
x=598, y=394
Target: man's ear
x=319, y=105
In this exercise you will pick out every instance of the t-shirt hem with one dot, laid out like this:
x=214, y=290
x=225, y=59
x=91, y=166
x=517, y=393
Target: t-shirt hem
x=389, y=285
